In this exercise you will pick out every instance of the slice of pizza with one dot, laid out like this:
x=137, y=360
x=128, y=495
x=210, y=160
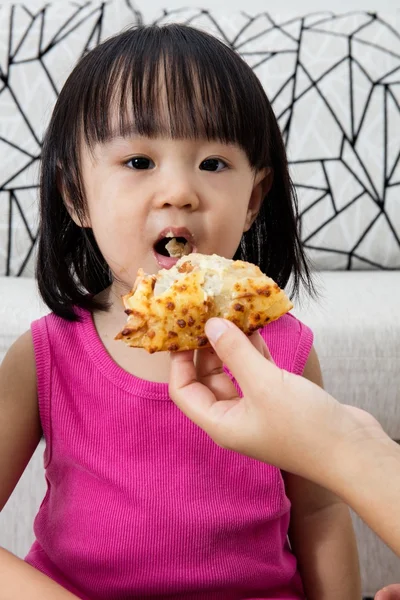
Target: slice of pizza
x=168, y=311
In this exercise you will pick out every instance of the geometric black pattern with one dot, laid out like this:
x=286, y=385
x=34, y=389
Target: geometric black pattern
x=38, y=48
x=334, y=82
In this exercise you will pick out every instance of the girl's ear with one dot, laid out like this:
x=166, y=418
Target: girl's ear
x=69, y=204
x=262, y=185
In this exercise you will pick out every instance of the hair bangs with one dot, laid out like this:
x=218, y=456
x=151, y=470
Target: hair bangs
x=174, y=82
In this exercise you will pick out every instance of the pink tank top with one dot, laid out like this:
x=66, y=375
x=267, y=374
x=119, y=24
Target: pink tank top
x=140, y=502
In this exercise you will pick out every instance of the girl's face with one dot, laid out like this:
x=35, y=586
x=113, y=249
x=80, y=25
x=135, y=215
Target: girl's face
x=140, y=189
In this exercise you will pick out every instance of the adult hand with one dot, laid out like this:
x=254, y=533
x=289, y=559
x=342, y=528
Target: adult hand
x=287, y=421
x=282, y=418
x=391, y=592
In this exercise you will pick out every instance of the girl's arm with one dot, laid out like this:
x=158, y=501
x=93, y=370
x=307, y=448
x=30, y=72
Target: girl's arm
x=20, y=433
x=21, y=581
x=321, y=531
x=20, y=429
x=322, y=538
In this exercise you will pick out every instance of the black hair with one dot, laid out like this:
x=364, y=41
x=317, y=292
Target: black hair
x=210, y=92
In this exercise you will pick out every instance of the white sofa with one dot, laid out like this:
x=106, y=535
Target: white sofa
x=357, y=337
x=342, y=143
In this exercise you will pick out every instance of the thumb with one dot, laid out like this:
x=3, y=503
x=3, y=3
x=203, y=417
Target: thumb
x=391, y=592
x=238, y=353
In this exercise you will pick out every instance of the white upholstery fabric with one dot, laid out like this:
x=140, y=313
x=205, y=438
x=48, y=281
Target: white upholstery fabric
x=19, y=306
x=357, y=337
x=323, y=73
x=356, y=324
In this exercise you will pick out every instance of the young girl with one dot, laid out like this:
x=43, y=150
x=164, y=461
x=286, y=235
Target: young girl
x=157, y=130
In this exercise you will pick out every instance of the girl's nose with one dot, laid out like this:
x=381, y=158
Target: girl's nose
x=177, y=194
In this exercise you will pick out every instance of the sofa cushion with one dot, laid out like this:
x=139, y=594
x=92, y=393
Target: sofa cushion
x=40, y=43
x=357, y=336
x=332, y=79
x=20, y=305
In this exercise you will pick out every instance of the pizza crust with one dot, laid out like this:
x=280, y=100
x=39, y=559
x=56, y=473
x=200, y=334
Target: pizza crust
x=168, y=311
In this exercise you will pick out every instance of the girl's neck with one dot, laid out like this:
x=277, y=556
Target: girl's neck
x=150, y=367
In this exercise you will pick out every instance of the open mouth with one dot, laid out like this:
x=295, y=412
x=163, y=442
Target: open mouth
x=174, y=247
x=171, y=245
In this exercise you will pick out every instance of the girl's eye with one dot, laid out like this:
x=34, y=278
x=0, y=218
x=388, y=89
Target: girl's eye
x=140, y=162
x=213, y=164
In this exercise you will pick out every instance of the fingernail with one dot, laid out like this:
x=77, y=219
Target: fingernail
x=215, y=328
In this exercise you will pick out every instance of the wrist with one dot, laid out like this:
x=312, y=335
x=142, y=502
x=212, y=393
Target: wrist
x=329, y=447
x=370, y=485
x=345, y=445
x=360, y=456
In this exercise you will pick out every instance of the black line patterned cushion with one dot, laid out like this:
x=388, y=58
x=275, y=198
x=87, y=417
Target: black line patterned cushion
x=334, y=81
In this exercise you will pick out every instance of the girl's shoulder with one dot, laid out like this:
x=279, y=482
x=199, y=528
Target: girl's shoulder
x=60, y=356
x=53, y=327
x=289, y=341
x=55, y=338
x=19, y=361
